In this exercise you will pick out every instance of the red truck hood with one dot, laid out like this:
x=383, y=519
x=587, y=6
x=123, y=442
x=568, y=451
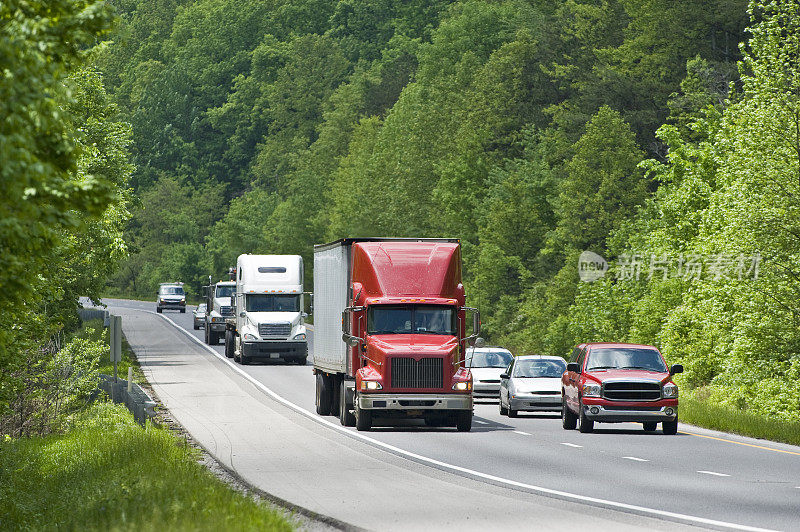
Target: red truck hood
x=626, y=374
x=429, y=344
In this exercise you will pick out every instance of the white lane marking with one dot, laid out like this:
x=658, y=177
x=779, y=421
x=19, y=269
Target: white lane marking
x=480, y=422
x=459, y=469
x=520, y=432
x=572, y=445
x=635, y=459
x=713, y=473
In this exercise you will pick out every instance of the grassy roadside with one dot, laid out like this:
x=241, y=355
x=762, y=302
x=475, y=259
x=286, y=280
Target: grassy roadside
x=109, y=473
x=716, y=417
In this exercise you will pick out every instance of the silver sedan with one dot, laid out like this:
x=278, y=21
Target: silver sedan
x=531, y=383
x=199, y=316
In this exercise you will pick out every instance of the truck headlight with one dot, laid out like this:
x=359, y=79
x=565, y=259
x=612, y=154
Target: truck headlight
x=300, y=336
x=670, y=390
x=370, y=386
x=462, y=386
x=248, y=336
x=591, y=389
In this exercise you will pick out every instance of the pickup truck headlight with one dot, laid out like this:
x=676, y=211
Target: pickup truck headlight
x=370, y=386
x=591, y=389
x=300, y=336
x=670, y=390
x=248, y=336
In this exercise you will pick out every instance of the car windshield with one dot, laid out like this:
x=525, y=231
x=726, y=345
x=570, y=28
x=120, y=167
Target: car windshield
x=625, y=358
x=491, y=359
x=201, y=307
x=272, y=303
x=411, y=319
x=225, y=291
x=539, y=368
x=172, y=290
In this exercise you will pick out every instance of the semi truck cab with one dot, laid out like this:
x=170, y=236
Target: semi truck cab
x=218, y=309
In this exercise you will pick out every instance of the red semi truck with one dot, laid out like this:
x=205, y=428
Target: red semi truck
x=390, y=332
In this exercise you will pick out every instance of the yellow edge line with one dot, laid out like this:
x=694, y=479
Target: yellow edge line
x=741, y=443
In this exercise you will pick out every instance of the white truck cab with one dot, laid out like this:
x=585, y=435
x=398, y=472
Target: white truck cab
x=218, y=309
x=269, y=317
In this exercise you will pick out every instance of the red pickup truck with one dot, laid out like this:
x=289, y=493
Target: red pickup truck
x=616, y=383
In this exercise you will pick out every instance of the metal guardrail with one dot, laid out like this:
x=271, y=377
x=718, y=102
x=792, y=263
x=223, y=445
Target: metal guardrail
x=89, y=314
x=132, y=395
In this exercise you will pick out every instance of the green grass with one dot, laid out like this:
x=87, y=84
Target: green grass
x=110, y=474
x=725, y=419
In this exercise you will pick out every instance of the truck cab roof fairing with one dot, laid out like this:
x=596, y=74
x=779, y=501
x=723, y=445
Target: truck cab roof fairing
x=393, y=269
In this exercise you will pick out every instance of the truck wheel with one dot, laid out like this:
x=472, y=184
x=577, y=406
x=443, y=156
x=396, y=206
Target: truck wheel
x=196, y=327
x=183, y=311
x=302, y=361
x=323, y=400
x=363, y=417
x=503, y=410
x=464, y=422
x=649, y=426
x=237, y=351
x=586, y=425
x=205, y=335
x=568, y=420
x=670, y=427
x=345, y=416
x=229, y=343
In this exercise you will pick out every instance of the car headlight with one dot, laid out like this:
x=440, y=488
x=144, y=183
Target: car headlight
x=300, y=336
x=591, y=389
x=248, y=336
x=463, y=386
x=370, y=386
x=670, y=390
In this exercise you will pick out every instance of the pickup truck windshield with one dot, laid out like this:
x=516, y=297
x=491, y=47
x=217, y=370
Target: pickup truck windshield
x=539, y=368
x=411, y=319
x=272, y=302
x=625, y=358
x=225, y=291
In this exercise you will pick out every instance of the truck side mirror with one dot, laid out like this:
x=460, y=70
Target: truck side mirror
x=573, y=366
x=476, y=324
x=304, y=314
x=478, y=342
x=676, y=368
x=243, y=314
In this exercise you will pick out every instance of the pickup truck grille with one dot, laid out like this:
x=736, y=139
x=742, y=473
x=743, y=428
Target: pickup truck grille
x=410, y=373
x=274, y=330
x=632, y=391
x=226, y=311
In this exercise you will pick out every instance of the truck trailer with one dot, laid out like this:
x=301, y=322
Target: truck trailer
x=268, y=318
x=390, y=332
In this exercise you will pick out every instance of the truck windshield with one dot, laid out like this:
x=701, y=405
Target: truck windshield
x=272, y=302
x=625, y=358
x=225, y=290
x=411, y=319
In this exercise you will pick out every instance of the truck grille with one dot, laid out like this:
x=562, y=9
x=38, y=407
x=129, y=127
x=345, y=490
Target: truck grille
x=632, y=391
x=410, y=373
x=226, y=311
x=274, y=330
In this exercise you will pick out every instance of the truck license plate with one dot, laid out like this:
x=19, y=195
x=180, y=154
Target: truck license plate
x=274, y=355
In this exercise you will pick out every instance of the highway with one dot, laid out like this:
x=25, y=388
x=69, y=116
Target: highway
x=617, y=477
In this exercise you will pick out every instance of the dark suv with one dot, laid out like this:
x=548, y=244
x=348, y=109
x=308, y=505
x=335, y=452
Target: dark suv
x=171, y=295
x=615, y=383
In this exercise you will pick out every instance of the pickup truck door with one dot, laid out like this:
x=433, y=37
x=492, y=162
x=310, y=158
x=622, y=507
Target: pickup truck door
x=572, y=382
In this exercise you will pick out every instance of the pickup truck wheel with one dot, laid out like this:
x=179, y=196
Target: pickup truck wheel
x=363, y=417
x=346, y=417
x=503, y=410
x=586, y=424
x=229, y=344
x=464, y=423
x=650, y=426
x=568, y=420
x=323, y=399
x=670, y=427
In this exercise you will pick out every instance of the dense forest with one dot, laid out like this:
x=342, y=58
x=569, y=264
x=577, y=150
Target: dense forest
x=662, y=136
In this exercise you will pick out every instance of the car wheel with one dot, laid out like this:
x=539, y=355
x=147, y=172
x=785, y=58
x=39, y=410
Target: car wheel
x=649, y=426
x=503, y=410
x=512, y=412
x=568, y=420
x=586, y=425
x=670, y=427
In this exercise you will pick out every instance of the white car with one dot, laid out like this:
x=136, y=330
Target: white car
x=532, y=383
x=486, y=364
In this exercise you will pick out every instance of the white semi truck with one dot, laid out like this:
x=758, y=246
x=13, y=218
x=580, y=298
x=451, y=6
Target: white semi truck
x=268, y=320
x=218, y=309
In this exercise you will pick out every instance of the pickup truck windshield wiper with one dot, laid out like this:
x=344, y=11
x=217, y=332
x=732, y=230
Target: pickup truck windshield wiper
x=601, y=367
x=638, y=367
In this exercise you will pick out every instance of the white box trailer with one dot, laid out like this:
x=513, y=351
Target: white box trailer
x=331, y=281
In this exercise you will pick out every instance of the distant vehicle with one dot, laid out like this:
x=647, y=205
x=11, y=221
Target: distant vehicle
x=199, y=316
x=616, y=383
x=532, y=383
x=389, y=326
x=268, y=318
x=170, y=296
x=486, y=364
x=219, y=308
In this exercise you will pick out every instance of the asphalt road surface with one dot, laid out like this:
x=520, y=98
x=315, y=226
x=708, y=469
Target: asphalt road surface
x=617, y=477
